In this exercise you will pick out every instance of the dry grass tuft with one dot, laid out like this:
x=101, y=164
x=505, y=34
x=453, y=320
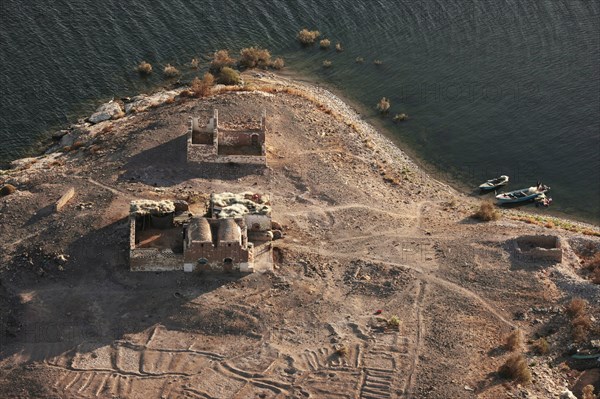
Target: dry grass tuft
x=278, y=63
x=588, y=392
x=220, y=60
x=325, y=44
x=342, y=351
x=400, y=117
x=576, y=307
x=170, y=71
x=383, y=105
x=514, y=340
x=144, y=68
x=308, y=37
x=255, y=57
x=541, y=346
x=202, y=88
x=515, y=368
x=486, y=212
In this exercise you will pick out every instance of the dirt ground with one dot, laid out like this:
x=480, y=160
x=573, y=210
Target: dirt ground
x=384, y=286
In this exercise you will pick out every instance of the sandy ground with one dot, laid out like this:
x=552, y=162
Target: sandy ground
x=369, y=237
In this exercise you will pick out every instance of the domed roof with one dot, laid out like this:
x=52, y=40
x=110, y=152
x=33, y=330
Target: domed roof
x=229, y=231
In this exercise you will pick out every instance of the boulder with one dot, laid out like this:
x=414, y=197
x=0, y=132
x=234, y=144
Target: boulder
x=109, y=110
x=566, y=394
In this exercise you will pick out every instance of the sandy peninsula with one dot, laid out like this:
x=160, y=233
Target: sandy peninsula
x=384, y=286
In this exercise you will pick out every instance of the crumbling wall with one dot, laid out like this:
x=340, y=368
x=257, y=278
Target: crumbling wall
x=541, y=247
x=245, y=146
x=155, y=260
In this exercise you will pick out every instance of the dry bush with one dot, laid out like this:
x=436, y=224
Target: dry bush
x=581, y=326
x=486, y=212
x=325, y=44
x=338, y=47
x=278, y=63
x=342, y=351
x=514, y=340
x=229, y=76
x=144, y=68
x=220, y=60
x=383, y=105
x=202, y=87
x=195, y=63
x=549, y=225
x=400, y=117
x=255, y=57
x=327, y=64
x=588, y=392
x=7, y=189
x=576, y=307
x=515, y=368
x=541, y=346
x=308, y=37
x=170, y=71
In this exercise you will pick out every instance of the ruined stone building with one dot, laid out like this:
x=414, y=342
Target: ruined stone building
x=226, y=143
x=235, y=235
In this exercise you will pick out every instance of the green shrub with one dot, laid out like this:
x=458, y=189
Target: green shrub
x=144, y=68
x=515, y=368
x=170, y=71
x=486, y=212
x=254, y=57
x=220, y=60
x=307, y=37
x=229, y=76
x=394, y=322
x=325, y=44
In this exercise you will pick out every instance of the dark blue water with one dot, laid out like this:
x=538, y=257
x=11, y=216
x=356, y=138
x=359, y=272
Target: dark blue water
x=491, y=87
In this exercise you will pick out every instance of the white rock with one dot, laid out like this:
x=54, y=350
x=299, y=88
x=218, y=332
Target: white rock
x=566, y=394
x=110, y=110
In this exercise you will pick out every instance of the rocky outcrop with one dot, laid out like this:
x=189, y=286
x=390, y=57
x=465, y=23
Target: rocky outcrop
x=109, y=110
x=143, y=101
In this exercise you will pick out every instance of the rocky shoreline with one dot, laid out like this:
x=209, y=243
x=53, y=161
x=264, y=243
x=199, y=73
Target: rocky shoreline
x=84, y=131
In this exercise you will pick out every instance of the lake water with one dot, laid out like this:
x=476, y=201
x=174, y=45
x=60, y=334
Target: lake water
x=491, y=87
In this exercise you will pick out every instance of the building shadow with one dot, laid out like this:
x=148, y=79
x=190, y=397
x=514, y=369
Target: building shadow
x=95, y=300
x=166, y=165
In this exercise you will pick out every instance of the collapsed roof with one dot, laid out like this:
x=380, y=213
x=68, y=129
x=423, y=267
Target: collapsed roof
x=230, y=205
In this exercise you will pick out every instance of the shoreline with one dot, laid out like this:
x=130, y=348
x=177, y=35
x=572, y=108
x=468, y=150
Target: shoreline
x=350, y=109
x=424, y=165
